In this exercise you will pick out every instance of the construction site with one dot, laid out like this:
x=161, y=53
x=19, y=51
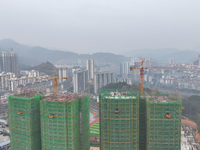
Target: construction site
x=163, y=122
x=24, y=121
x=131, y=121
x=65, y=122
x=119, y=120
x=58, y=122
x=126, y=120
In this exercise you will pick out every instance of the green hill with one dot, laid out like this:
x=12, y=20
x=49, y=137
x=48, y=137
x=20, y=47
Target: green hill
x=46, y=68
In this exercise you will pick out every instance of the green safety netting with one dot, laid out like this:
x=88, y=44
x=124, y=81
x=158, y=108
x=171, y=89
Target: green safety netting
x=68, y=129
x=119, y=130
x=24, y=142
x=163, y=124
x=24, y=122
x=142, y=122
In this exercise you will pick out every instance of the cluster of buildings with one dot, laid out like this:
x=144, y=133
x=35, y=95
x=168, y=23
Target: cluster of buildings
x=27, y=80
x=14, y=80
x=81, y=77
x=127, y=121
x=186, y=79
x=177, y=78
x=98, y=78
x=51, y=122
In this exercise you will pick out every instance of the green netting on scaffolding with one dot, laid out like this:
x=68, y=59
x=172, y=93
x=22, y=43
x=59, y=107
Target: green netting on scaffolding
x=84, y=123
x=119, y=120
x=163, y=122
x=142, y=122
x=63, y=126
x=23, y=142
x=24, y=121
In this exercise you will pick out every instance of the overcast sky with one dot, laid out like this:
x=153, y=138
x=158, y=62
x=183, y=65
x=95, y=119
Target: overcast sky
x=87, y=26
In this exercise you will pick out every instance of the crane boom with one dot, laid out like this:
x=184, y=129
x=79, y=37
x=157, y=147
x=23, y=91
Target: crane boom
x=141, y=68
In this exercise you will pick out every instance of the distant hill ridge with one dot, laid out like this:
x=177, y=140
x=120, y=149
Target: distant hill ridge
x=46, y=68
x=36, y=55
x=164, y=54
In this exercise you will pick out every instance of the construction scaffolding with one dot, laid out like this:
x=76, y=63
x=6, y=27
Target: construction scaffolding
x=119, y=120
x=84, y=123
x=24, y=121
x=163, y=122
x=65, y=122
x=142, y=122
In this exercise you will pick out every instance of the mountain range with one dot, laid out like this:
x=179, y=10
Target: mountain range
x=164, y=54
x=36, y=55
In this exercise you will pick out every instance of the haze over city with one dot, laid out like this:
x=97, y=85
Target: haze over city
x=99, y=75
x=102, y=26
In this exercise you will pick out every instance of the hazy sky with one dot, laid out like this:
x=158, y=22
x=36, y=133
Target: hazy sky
x=87, y=26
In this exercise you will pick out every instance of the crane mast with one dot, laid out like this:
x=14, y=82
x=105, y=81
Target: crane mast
x=142, y=68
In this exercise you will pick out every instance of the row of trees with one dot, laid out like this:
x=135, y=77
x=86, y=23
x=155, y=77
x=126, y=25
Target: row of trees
x=192, y=108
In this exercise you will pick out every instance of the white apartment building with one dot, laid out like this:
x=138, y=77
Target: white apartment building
x=90, y=68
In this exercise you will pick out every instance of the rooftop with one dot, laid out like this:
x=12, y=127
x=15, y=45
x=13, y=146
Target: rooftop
x=118, y=93
x=26, y=94
x=162, y=98
x=63, y=97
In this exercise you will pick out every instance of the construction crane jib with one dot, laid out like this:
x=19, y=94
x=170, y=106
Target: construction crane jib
x=142, y=68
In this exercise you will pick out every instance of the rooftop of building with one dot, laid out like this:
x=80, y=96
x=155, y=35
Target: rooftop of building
x=63, y=97
x=162, y=98
x=122, y=93
x=117, y=93
x=27, y=94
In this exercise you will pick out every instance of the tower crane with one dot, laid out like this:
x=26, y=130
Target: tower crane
x=142, y=68
x=56, y=82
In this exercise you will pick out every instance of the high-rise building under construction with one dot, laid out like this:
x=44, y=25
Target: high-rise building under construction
x=119, y=120
x=163, y=122
x=65, y=122
x=24, y=121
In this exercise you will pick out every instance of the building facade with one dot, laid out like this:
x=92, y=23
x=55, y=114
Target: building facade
x=162, y=122
x=80, y=80
x=119, y=120
x=65, y=122
x=90, y=68
x=126, y=80
x=24, y=121
x=9, y=62
x=5, y=83
x=102, y=79
x=62, y=72
x=125, y=68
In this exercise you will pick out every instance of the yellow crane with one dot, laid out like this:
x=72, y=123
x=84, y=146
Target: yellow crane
x=56, y=82
x=142, y=68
